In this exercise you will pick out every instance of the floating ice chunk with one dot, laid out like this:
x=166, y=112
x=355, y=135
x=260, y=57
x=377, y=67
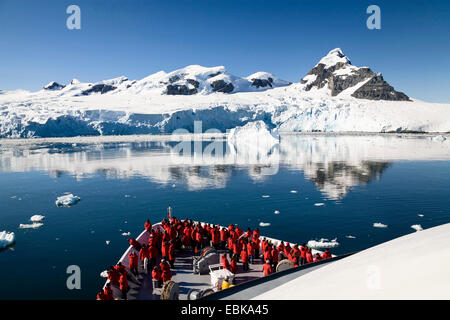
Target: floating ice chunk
x=125, y=234
x=264, y=224
x=293, y=191
x=417, y=227
x=276, y=212
x=379, y=225
x=127, y=196
x=439, y=138
x=420, y=215
x=104, y=274
x=67, y=200
x=107, y=242
x=350, y=237
x=37, y=218
x=7, y=239
x=323, y=244
x=33, y=225
x=319, y=204
x=265, y=196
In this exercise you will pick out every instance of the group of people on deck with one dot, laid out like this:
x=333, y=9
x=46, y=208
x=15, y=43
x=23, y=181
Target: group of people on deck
x=174, y=235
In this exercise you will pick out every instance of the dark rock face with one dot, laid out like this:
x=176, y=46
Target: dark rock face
x=262, y=83
x=54, y=86
x=375, y=89
x=222, y=86
x=338, y=84
x=378, y=89
x=181, y=89
x=102, y=88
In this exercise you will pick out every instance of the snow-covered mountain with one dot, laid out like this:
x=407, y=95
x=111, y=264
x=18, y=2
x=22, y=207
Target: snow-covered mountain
x=334, y=96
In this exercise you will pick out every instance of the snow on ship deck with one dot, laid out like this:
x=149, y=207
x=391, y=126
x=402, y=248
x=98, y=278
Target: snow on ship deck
x=141, y=288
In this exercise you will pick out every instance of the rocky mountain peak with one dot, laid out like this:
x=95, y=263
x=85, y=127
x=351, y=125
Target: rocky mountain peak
x=336, y=73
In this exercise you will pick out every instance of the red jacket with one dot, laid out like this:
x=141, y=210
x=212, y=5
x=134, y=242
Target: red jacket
x=225, y=263
x=274, y=254
x=244, y=256
x=166, y=276
x=250, y=249
x=215, y=236
x=152, y=252
x=233, y=266
x=164, y=266
x=148, y=225
x=156, y=274
x=108, y=294
x=267, y=269
x=165, y=249
x=309, y=257
x=143, y=253
x=172, y=252
x=123, y=282
x=303, y=252
x=223, y=235
x=133, y=260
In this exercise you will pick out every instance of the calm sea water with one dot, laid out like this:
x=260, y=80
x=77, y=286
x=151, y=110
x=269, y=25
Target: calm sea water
x=122, y=182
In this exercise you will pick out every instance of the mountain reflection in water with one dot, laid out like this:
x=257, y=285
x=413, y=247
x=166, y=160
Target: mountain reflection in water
x=335, y=164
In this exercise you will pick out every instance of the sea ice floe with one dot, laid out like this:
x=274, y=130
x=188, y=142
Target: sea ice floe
x=293, y=191
x=37, y=218
x=33, y=225
x=350, y=237
x=104, y=274
x=6, y=239
x=67, y=200
x=323, y=244
x=107, y=242
x=265, y=196
x=379, y=225
x=420, y=215
x=264, y=224
x=319, y=204
x=126, y=234
x=276, y=212
x=417, y=227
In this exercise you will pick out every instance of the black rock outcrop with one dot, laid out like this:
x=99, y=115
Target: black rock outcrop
x=222, y=86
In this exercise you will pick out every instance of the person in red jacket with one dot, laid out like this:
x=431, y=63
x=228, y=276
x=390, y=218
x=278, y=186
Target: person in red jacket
x=256, y=245
x=236, y=250
x=133, y=263
x=256, y=233
x=152, y=255
x=198, y=241
x=303, y=250
x=148, y=226
x=250, y=251
x=108, y=292
x=224, y=262
x=143, y=256
x=233, y=265
x=309, y=257
x=123, y=285
x=172, y=254
x=215, y=238
x=317, y=257
x=165, y=250
x=166, y=276
x=267, y=268
x=244, y=257
x=156, y=277
x=113, y=276
x=267, y=253
x=326, y=254
x=274, y=255
x=223, y=237
x=164, y=266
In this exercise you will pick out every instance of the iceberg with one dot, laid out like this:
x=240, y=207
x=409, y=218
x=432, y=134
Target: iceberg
x=264, y=224
x=67, y=200
x=417, y=227
x=6, y=239
x=37, y=218
x=34, y=225
x=323, y=244
x=254, y=134
x=379, y=225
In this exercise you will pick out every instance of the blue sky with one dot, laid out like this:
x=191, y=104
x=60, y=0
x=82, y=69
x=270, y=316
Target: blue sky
x=137, y=38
